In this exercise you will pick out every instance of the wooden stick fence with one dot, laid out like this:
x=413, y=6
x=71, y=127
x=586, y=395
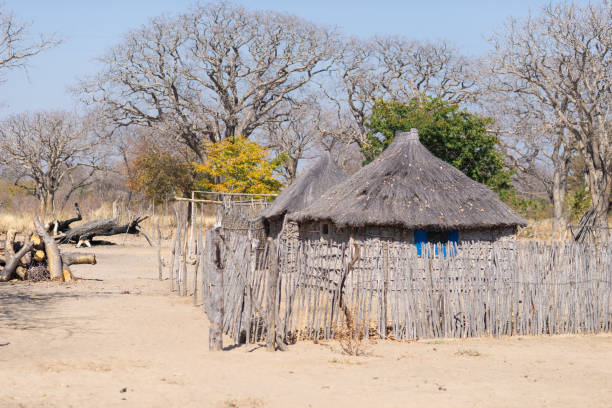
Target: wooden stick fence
x=506, y=288
x=516, y=288
x=187, y=266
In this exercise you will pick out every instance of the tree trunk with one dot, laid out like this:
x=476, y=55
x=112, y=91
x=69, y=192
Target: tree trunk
x=561, y=157
x=54, y=259
x=47, y=208
x=600, y=188
x=558, y=198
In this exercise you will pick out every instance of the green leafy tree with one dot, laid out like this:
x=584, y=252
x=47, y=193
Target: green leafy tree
x=454, y=135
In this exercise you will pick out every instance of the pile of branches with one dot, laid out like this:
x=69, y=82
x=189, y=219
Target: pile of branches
x=38, y=257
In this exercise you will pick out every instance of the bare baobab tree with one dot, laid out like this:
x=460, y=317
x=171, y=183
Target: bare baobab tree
x=414, y=68
x=217, y=71
x=295, y=137
x=563, y=59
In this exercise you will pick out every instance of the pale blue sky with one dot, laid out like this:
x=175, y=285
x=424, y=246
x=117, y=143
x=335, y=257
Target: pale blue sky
x=89, y=28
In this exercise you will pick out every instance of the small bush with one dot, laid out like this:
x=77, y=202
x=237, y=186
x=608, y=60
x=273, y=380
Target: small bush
x=353, y=343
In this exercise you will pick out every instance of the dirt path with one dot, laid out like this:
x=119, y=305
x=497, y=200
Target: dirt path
x=81, y=345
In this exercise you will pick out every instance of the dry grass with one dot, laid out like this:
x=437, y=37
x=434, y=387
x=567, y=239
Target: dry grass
x=167, y=222
x=542, y=230
x=20, y=223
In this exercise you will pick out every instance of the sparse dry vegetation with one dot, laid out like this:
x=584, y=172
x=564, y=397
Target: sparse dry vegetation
x=352, y=343
x=468, y=353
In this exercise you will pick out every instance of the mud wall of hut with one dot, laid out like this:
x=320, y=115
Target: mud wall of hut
x=313, y=231
x=488, y=234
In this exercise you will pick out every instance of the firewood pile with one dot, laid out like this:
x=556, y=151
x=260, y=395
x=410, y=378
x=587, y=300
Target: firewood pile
x=38, y=257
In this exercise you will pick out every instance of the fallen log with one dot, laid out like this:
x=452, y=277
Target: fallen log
x=74, y=258
x=12, y=259
x=83, y=234
x=67, y=274
x=39, y=255
x=21, y=271
x=38, y=242
x=58, y=227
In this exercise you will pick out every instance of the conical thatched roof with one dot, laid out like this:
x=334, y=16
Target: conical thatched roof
x=306, y=188
x=407, y=186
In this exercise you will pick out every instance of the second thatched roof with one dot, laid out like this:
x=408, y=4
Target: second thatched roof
x=306, y=188
x=408, y=187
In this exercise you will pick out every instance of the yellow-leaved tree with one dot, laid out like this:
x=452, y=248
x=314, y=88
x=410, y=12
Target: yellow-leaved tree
x=238, y=165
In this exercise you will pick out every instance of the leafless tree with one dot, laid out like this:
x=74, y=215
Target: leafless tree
x=536, y=144
x=294, y=138
x=50, y=151
x=411, y=69
x=214, y=72
x=16, y=44
x=563, y=58
x=353, y=96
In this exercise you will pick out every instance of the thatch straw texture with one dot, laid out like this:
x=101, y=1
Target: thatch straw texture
x=408, y=187
x=306, y=188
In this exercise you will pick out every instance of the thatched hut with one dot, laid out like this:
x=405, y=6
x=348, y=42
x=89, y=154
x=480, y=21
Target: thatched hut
x=409, y=195
x=305, y=190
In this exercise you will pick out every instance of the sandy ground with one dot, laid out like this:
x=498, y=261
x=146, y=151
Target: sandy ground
x=121, y=339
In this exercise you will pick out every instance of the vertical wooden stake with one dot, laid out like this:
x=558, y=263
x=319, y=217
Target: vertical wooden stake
x=385, y=300
x=215, y=334
x=272, y=289
x=179, y=249
x=184, y=258
x=197, y=266
x=192, y=222
x=175, y=247
x=245, y=319
x=159, y=259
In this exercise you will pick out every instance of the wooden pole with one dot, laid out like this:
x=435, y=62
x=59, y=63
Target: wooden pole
x=177, y=271
x=272, y=291
x=385, y=297
x=186, y=245
x=192, y=222
x=245, y=319
x=197, y=266
x=215, y=334
x=159, y=259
